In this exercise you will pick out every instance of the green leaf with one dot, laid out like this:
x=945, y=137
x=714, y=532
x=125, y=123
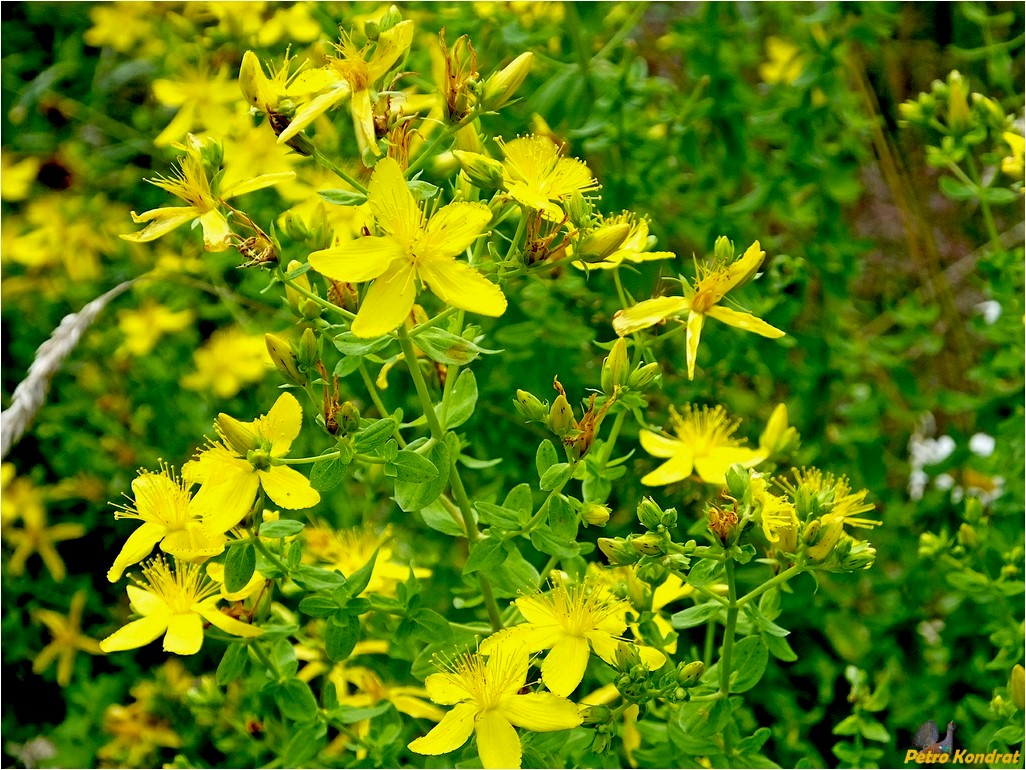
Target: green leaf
x=342, y=198
x=412, y=496
x=341, y=633
x=499, y=515
x=316, y=579
x=706, y=571
x=374, y=435
x=357, y=582
x=439, y=519
x=514, y=576
x=750, y=658
x=239, y=565
x=696, y=616
x=233, y=664
x=446, y=348
x=780, y=649
x=281, y=528
x=545, y=457
x=520, y=499
x=413, y=467
x=351, y=345
x=295, y=700
x=873, y=731
x=434, y=626
x=318, y=606
x=562, y=519
x=485, y=554
x=556, y=476
x=462, y=400
x=422, y=190
x=763, y=623
x=546, y=541
x=305, y=744
x=847, y=726
x=348, y=715
x=1000, y=195
x=327, y=474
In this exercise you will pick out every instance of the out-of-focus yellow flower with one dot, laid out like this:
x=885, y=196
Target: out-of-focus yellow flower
x=703, y=443
x=351, y=73
x=784, y=62
x=248, y=458
x=1013, y=164
x=36, y=536
x=570, y=623
x=17, y=176
x=173, y=603
x=192, y=184
x=293, y=23
x=371, y=690
x=68, y=639
x=206, y=102
x=634, y=247
x=701, y=300
x=21, y=498
x=413, y=247
x=487, y=701
x=536, y=175
x=144, y=326
x=350, y=549
x=227, y=362
x=127, y=28
x=171, y=517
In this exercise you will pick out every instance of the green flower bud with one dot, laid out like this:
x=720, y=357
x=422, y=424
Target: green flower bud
x=812, y=532
x=603, y=241
x=649, y=544
x=689, y=673
x=284, y=359
x=1017, y=686
x=595, y=715
x=348, y=418
x=627, y=658
x=650, y=514
x=723, y=251
x=483, y=171
x=580, y=210
x=861, y=555
x=391, y=17
x=967, y=536
x=502, y=86
x=530, y=406
x=643, y=376
x=616, y=367
x=236, y=434
x=309, y=349
x=561, y=416
x=958, y=103
x=617, y=551
x=295, y=228
x=738, y=481
x=595, y=514
x=292, y=296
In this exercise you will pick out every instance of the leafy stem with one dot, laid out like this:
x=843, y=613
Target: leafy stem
x=776, y=580
x=729, y=631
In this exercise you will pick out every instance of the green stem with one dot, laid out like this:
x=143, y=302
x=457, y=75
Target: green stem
x=729, y=631
x=444, y=315
x=319, y=300
x=988, y=216
x=521, y=228
x=447, y=132
x=372, y=459
x=710, y=640
x=268, y=555
x=265, y=659
x=546, y=570
x=783, y=577
x=329, y=164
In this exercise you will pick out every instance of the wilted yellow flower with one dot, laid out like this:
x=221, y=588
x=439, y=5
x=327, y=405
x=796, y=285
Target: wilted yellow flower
x=703, y=443
x=68, y=639
x=570, y=623
x=227, y=362
x=144, y=326
x=701, y=300
x=634, y=247
x=248, y=458
x=536, y=175
x=412, y=248
x=487, y=701
x=173, y=602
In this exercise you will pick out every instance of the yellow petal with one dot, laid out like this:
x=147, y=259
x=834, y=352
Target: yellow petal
x=136, y=548
x=392, y=44
x=541, y=712
x=449, y=734
x=460, y=285
x=675, y=469
x=363, y=126
x=527, y=635
x=161, y=222
x=746, y=321
x=498, y=744
x=742, y=269
x=453, y=229
x=229, y=625
x=225, y=504
x=661, y=446
x=415, y=707
x=387, y=303
x=713, y=467
x=215, y=230
x=672, y=589
x=312, y=81
x=507, y=668
x=184, y=634
x=135, y=634
x=194, y=543
x=392, y=203
x=288, y=487
x=257, y=183
x=281, y=424
x=651, y=657
x=694, y=334
x=145, y=603
x=447, y=689
x=605, y=645
x=564, y=666
x=537, y=611
x=361, y=260
x=314, y=108
x=648, y=313
x=46, y=657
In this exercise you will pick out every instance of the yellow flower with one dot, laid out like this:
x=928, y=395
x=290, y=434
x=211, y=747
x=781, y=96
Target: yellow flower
x=17, y=177
x=372, y=691
x=247, y=458
x=68, y=639
x=536, y=175
x=1013, y=164
x=701, y=300
x=351, y=73
x=413, y=247
x=570, y=623
x=205, y=101
x=171, y=517
x=36, y=536
x=173, y=602
x=703, y=443
x=192, y=184
x=144, y=326
x=777, y=516
x=784, y=62
x=487, y=700
x=228, y=361
x=634, y=247
x=21, y=498
x=846, y=508
x=350, y=549
x=125, y=29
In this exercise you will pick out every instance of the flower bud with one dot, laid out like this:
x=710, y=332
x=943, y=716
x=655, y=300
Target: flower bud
x=603, y=241
x=561, y=416
x=295, y=228
x=530, y=406
x=627, y=657
x=390, y=18
x=595, y=514
x=483, y=171
x=348, y=418
x=738, y=481
x=958, y=103
x=812, y=532
x=309, y=349
x=579, y=209
x=861, y=556
x=238, y=435
x=723, y=251
x=284, y=359
x=967, y=536
x=1017, y=685
x=616, y=367
x=643, y=376
x=649, y=514
x=293, y=297
x=649, y=544
x=595, y=715
x=617, y=551
x=778, y=438
x=689, y=673
x=502, y=86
